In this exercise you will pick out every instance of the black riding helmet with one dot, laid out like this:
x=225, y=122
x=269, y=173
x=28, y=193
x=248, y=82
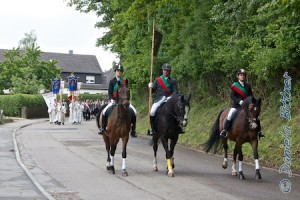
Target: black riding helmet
x=167, y=66
x=241, y=71
x=119, y=67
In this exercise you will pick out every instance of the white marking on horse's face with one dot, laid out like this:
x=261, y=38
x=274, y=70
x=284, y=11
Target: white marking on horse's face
x=186, y=112
x=253, y=125
x=185, y=118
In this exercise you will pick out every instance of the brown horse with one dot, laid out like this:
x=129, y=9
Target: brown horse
x=244, y=129
x=118, y=126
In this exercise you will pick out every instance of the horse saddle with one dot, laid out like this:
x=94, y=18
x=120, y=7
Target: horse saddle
x=157, y=112
x=109, y=111
x=234, y=116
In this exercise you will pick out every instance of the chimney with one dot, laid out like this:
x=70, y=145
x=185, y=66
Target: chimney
x=70, y=51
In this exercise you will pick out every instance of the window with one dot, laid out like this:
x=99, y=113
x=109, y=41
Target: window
x=90, y=79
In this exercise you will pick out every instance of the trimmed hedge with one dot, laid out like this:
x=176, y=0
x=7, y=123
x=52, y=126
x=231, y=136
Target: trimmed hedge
x=12, y=104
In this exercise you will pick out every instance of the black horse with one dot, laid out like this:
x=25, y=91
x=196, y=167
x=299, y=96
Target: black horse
x=170, y=119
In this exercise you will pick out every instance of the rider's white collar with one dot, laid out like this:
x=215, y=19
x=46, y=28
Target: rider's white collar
x=242, y=83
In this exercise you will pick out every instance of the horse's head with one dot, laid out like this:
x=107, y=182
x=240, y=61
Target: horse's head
x=182, y=107
x=123, y=97
x=251, y=107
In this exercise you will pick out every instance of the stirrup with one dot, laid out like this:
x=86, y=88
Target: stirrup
x=133, y=134
x=260, y=135
x=101, y=131
x=181, y=131
x=224, y=133
x=150, y=132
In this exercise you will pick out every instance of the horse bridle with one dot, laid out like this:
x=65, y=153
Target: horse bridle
x=178, y=118
x=252, y=120
x=121, y=100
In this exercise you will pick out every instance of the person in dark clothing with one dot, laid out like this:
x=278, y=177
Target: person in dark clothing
x=240, y=90
x=112, y=95
x=164, y=86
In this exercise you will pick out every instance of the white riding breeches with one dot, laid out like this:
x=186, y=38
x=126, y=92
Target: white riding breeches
x=156, y=105
x=230, y=113
x=111, y=104
x=134, y=110
x=105, y=109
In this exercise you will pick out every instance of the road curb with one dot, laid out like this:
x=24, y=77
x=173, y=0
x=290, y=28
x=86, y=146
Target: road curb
x=26, y=170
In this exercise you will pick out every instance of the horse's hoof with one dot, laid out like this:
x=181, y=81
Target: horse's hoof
x=112, y=170
x=124, y=173
x=170, y=174
x=108, y=167
x=234, y=173
x=257, y=174
x=155, y=168
x=225, y=165
x=173, y=164
x=241, y=176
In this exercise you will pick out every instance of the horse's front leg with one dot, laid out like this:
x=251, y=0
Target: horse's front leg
x=107, y=147
x=225, y=147
x=168, y=157
x=113, y=147
x=124, y=155
x=234, y=172
x=155, y=147
x=254, y=144
x=240, y=153
x=172, y=147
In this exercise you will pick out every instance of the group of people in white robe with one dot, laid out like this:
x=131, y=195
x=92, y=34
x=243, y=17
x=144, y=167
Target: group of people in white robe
x=78, y=111
x=57, y=112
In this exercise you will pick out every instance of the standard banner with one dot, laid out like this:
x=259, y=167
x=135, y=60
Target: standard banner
x=72, y=83
x=55, y=85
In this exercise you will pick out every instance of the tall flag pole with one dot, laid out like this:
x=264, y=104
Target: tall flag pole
x=151, y=71
x=62, y=86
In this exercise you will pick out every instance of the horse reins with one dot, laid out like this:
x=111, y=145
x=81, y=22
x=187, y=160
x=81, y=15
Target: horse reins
x=251, y=120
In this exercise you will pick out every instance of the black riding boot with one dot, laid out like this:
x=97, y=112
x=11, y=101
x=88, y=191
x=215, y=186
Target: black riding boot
x=152, y=121
x=103, y=125
x=226, y=128
x=260, y=133
x=133, y=121
x=181, y=131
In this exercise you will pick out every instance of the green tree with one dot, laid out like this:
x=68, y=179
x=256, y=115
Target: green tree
x=24, y=72
x=205, y=41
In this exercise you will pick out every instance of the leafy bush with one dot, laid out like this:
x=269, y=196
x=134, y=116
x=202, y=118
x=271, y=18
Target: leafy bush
x=12, y=104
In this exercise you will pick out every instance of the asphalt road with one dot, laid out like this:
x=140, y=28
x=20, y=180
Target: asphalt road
x=69, y=162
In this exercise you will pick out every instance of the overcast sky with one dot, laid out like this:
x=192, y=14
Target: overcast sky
x=58, y=28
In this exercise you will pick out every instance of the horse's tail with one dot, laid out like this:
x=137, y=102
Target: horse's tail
x=214, y=139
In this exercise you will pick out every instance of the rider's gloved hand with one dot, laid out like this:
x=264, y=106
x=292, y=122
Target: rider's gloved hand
x=150, y=85
x=241, y=102
x=112, y=101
